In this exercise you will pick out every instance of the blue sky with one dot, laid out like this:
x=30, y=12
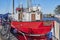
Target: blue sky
x=47, y=6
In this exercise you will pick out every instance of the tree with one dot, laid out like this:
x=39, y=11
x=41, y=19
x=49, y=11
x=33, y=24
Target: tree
x=57, y=10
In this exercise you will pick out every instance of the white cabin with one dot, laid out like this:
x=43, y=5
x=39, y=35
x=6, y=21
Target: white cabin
x=33, y=14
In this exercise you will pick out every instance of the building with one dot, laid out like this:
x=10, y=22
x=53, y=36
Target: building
x=57, y=26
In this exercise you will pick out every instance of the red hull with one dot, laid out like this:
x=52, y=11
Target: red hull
x=32, y=27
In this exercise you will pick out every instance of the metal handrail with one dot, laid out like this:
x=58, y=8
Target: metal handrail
x=23, y=35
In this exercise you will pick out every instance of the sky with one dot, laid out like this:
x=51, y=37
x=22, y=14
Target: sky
x=47, y=6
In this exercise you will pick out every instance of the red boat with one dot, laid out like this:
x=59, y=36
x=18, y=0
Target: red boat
x=27, y=27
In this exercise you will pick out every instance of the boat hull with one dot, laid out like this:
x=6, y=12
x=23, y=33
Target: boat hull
x=32, y=27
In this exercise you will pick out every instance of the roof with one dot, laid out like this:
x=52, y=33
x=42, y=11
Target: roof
x=1, y=15
x=50, y=18
x=4, y=15
x=18, y=9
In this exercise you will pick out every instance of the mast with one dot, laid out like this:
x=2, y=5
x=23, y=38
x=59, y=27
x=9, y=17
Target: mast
x=29, y=4
x=13, y=6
